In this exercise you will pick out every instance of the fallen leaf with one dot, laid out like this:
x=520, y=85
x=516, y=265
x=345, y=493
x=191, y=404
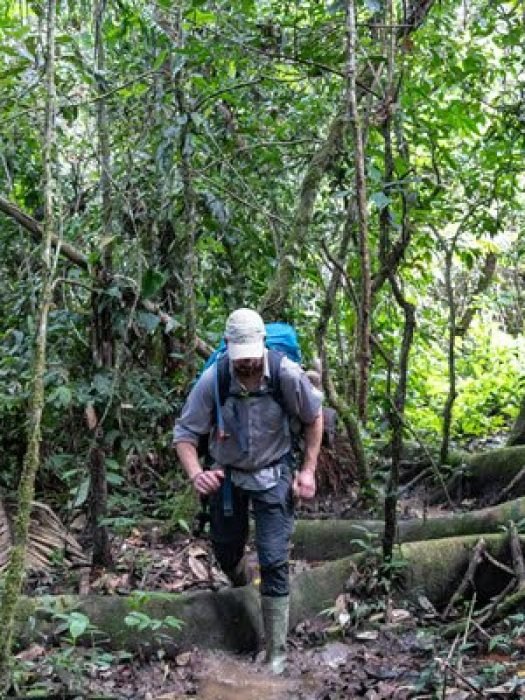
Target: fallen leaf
x=31, y=653
x=198, y=569
x=398, y=615
x=367, y=635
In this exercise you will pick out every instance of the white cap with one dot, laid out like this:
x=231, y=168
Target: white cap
x=245, y=333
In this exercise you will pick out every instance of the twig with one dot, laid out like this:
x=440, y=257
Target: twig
x=517, y=554
x=502, y=495
x=480, y=629
x=419, y=477
x=499, y=564
x=460, y=676
x=87, y=101
x=475, y=560
x=467, y=628
x=449, y=657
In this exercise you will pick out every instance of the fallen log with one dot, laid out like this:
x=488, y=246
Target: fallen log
x=322, y=540
x=230, y=619
x=487, y=474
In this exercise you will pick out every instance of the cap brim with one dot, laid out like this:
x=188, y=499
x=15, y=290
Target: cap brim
x=244, y=351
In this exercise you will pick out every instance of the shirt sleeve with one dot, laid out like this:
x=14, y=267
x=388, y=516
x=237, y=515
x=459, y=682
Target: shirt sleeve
x=196, y=418
x=300, y=398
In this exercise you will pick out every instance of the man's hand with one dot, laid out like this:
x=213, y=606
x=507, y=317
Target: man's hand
x=208, y=482
x=304, y=484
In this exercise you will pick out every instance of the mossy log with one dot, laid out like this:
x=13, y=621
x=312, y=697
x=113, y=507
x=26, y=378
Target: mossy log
x=322, y=540
x=230, y=619
x=487, y=474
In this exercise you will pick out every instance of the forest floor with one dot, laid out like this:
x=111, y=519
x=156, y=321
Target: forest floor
x=357, y=648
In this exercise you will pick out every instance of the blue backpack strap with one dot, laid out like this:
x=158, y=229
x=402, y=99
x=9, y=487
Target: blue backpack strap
x=221, y=390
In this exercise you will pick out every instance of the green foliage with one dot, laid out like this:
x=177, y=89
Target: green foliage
x=262, y=82
x=490, y=367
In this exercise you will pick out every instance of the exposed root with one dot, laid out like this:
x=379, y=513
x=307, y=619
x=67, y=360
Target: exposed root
x=468, y=579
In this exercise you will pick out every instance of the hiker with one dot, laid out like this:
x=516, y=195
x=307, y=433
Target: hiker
x=250, y=444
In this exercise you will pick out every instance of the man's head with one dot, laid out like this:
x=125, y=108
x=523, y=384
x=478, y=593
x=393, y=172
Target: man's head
x=245, y=334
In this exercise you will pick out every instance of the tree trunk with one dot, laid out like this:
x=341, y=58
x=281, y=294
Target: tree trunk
x=397, y=422
x=488, y=474
x=451, y=397
x=363, y=344
x=189, y=216
x=517, y=434
x=345, y=412
x=15, y=569
x=275, y=302
x=103, y=339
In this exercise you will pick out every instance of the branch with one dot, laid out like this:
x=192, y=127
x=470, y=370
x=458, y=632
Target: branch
x=33, y=226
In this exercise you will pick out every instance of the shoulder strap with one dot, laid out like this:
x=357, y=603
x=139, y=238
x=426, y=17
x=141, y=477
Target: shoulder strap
x=221, y=387
x=274, y=360
x=223, y=378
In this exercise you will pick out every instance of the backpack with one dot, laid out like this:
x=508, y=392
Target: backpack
x=279, y=336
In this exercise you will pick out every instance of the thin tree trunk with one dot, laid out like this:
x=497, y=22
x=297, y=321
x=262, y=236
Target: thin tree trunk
x=275, y=302
x=103, y=340
x=397, y=408
x=344, y=410
x=397, y=422
x=15, y=570
x=451, y=397
x=190, y=227
x=363, y=346
x=517, y=434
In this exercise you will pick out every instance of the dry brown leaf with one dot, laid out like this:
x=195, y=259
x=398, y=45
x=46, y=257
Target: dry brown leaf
x=31, y=653
x=198, y=569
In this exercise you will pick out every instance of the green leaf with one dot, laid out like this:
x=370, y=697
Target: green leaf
x=61, y=397
x=173, y=622
x=152, y=282
x=82, y=493
x=380, y=200
x=148, y=321
x=78, y=624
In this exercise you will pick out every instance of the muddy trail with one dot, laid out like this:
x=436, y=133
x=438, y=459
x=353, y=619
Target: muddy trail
x=358, y=647
x=363, y=644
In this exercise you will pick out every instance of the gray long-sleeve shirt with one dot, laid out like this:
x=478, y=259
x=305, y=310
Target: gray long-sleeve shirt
x=257, y=426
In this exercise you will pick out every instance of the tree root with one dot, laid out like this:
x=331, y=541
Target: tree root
x=317, y=540
x=230, y=619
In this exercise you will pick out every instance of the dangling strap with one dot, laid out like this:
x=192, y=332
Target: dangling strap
x=227, y=493
x=221, y=433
